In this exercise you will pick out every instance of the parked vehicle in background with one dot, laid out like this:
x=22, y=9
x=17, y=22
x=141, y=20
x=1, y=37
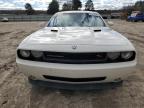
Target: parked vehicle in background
x=136, y=16
x=4, y=19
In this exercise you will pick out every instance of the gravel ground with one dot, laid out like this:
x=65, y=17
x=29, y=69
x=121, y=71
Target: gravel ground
x=15, y=92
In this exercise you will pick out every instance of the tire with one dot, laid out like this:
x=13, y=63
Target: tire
x=30, y=80
x=118, y=83
x=132, y=20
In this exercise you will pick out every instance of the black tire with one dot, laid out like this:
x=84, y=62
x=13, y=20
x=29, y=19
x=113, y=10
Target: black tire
x=30, y=80
x=132, y=20
x=118, y=84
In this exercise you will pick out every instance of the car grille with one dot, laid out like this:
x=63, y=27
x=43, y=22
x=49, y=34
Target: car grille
x=74, y=58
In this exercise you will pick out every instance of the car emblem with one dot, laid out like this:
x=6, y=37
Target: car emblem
x=74, y=47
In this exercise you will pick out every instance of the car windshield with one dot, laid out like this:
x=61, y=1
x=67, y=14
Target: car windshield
x=76, y=20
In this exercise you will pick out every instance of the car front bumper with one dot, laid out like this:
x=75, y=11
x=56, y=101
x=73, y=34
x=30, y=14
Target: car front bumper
x=112, y=71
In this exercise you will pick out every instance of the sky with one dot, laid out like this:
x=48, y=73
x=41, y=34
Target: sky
x=43, y=4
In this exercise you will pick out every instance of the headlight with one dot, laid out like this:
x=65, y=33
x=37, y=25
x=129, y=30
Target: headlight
x=25, y=53
x=113, y=55
x=37, y=54
x=126, y=55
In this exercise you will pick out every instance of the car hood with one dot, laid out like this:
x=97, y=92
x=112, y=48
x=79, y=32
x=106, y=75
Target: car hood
x=76, y=36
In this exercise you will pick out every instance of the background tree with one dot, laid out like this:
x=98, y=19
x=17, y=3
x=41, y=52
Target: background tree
x=76, y=4
x=139, y=5
x=53, y=7
x=89, y=5
x=29, y=9
x=67, y=7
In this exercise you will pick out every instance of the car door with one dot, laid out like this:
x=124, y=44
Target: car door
x=139, y=16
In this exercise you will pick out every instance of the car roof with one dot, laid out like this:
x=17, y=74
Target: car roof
x=96, y=13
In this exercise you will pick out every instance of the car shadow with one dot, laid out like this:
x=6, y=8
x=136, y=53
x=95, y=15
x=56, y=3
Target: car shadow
x=54, y=98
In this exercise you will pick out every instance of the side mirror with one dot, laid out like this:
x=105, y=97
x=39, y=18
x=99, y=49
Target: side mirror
x=110, y=23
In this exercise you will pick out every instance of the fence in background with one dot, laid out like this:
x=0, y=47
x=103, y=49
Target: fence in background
x=26, y=17
x=43, y=17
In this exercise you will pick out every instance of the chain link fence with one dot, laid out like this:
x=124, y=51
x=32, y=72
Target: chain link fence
x=26, y=17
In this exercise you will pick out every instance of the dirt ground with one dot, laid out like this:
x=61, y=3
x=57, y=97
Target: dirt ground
x=15, y=92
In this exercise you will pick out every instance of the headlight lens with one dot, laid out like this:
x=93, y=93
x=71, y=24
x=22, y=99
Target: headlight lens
x=25, y=53
x=37, y=54
x=113, y=55
x=126, y=55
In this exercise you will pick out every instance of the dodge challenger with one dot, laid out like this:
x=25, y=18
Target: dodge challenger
x=76, y=49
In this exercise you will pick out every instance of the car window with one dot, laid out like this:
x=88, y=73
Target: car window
x=76, y=20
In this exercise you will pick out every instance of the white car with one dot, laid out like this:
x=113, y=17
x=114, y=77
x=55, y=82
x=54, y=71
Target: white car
x=4, y=19
x=76, y=49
